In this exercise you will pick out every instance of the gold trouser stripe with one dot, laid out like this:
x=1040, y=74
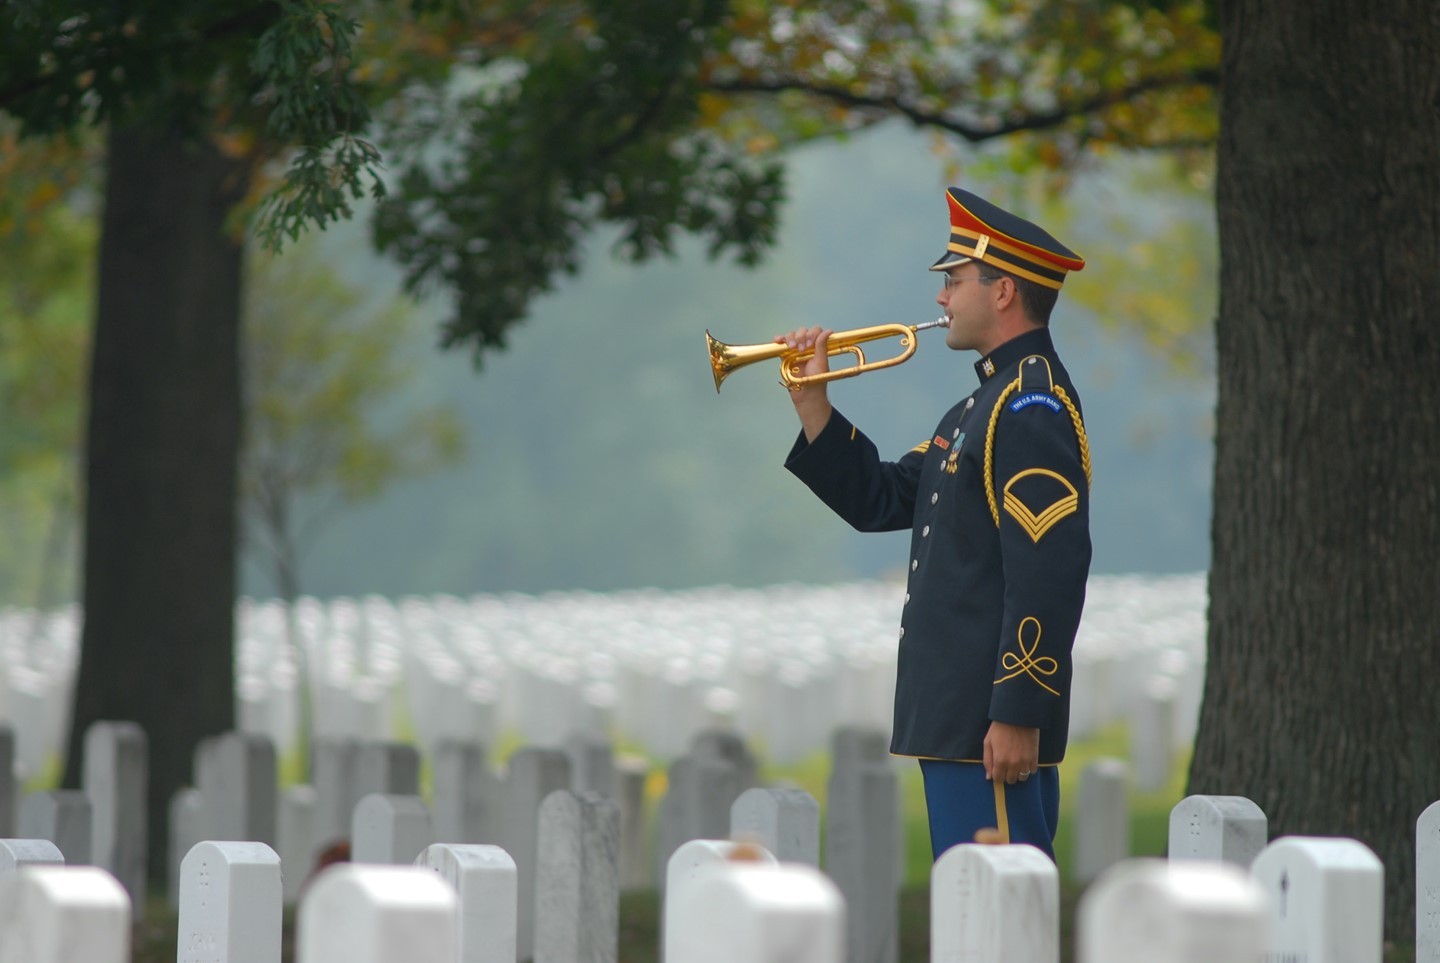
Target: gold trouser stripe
x=1002, y=818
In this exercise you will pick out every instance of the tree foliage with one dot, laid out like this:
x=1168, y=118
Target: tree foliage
x=512, y=129
x=663, y=118
x=47, y=249
x=265, y=78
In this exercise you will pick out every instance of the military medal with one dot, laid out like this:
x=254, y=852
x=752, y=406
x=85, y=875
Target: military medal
x=953, y=462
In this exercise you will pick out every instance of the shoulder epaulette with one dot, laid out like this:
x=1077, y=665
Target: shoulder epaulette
x=1035, y=374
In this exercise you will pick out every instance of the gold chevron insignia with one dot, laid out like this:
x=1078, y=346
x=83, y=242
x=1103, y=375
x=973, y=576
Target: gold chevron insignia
x=921, y=448
x=1036, y=524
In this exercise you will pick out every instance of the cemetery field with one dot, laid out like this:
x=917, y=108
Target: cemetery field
x=638, y=935
x=155, y=940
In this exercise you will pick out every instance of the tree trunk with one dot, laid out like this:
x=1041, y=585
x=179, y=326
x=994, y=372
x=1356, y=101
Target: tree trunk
x=162, y=449
x=1325, y=582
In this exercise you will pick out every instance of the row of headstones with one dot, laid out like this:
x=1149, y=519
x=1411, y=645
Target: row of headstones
x=532, y=666
x=472, y=805
x=231, y=893
x=632, y=652
x=862, y=784
x=1102, y=823
x=1303, y=898
x=237, y=800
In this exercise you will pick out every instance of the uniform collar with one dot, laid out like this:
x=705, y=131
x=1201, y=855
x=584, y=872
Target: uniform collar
x=1010, y=353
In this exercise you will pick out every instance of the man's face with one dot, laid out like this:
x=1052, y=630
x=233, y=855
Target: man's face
x=965, y=297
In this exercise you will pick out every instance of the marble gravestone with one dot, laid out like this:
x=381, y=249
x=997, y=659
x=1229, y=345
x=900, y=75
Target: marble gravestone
x=1327, y=899
x=1149, y=910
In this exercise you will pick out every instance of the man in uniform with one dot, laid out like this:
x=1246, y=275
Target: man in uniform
x=998, y=503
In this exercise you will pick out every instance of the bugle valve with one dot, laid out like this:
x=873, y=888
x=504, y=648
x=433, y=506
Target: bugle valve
x=726, y=358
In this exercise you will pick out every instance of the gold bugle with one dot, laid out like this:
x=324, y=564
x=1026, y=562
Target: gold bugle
x=725, y=358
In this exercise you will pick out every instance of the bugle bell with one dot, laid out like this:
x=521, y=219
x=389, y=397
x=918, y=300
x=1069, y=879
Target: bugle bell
x=725, y=358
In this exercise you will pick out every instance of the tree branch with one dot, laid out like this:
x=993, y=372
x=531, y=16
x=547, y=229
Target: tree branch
x=975, y=133
x=641, y=121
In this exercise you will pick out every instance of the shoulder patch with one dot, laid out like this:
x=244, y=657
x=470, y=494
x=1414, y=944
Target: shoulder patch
x=1038, y=498
x=1037, y=398
x=921, y=448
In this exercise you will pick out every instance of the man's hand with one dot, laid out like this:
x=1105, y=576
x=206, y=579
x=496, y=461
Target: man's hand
x=812, y=403
x=1011, y=752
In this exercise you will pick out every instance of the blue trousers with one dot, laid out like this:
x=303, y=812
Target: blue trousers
x=961, y=802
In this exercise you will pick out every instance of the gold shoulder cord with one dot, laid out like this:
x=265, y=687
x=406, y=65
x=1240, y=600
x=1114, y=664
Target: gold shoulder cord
x=1010, y=389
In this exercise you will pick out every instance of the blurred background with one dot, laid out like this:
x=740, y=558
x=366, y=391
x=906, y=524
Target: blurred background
x=593, y=452
x=598, y=454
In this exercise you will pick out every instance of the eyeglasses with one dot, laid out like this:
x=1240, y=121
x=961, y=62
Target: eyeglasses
x=951, y=281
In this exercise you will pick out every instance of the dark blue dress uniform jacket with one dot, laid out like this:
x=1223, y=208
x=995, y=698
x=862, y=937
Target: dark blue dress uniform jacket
x=990, y=609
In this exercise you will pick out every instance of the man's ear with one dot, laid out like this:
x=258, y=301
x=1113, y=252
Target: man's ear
x=1005, y=292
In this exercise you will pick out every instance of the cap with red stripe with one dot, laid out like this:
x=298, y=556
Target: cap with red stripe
x=980, y=231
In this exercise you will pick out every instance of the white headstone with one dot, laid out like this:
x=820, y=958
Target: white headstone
x=18, y=853
x=376, y=914
x=577, y=879
x=729, y=745
x=1102, y=818
x=296, y=830
x=64, y=914
x=9, y=787
x=994, y=904
x=1427, y=885
x=592, y=764
x=237, y=777
x=533, y=774
x=62, y=816
x=1230, y=829
x=1148, y=911
x=390, y=829
x=1327, y=898
x=637, y=871
x=388, y=768
x=701, y=789
x=759, y=914
x=1152, y=733
x=230, y=903
x=483, y=878
x=115, y=777
x=466, y=797
x=863, y=851
x=332, y=769
x=784, y=821
x=187, y=817
x=692, y=860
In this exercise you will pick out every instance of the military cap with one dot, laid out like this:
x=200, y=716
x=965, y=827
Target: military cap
x=980, y=231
